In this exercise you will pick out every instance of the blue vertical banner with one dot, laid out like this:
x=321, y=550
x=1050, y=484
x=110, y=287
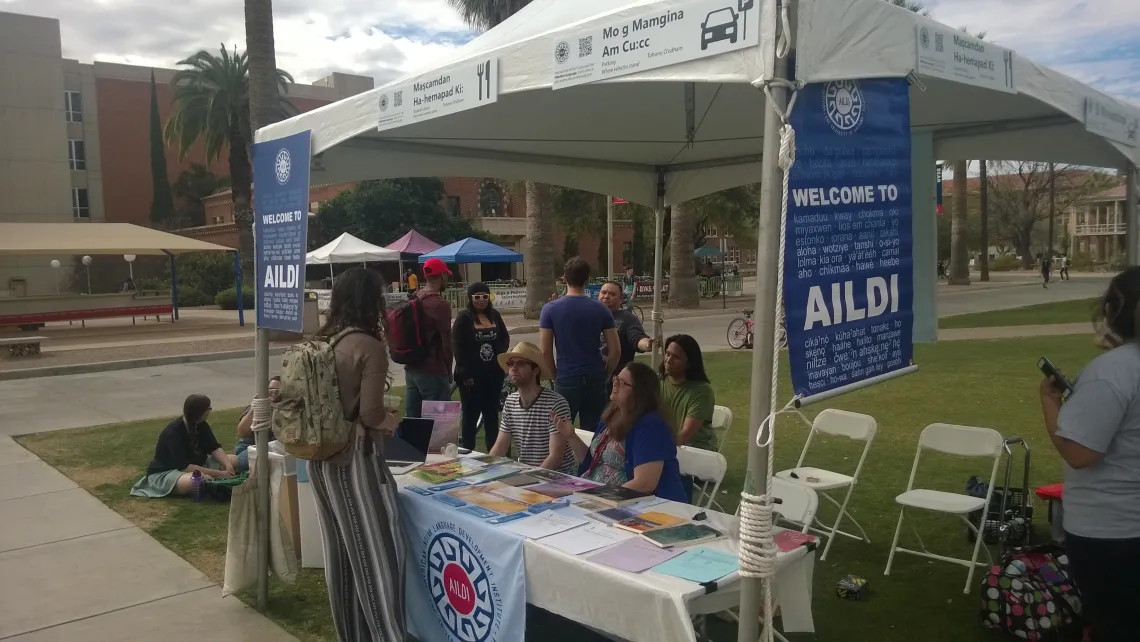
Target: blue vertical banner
x=848, y=278
x=465, y=580
x=280, y=229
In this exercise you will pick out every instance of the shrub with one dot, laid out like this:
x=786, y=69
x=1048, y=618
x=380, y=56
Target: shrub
x=191, y=297
x=227, y=299
x=1005, y=264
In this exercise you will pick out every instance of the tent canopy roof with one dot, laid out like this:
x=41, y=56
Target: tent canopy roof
x=413, y=243
x=96, y=238
x=613, y=137
x=346, y=248
x=473, y=250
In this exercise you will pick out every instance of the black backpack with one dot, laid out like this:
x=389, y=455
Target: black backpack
x=407, y=333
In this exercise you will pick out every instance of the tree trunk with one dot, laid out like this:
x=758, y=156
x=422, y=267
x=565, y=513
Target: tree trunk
x=984, y=193
x=683, y=291
x=263, y=101
x=959, y=255
x=538, y=249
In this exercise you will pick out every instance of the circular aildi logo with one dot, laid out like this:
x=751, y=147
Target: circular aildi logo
x=562, y=51
x=383, y=102
x=843, y=104
x=924, y=37
x=282, y=165
x=460, y=588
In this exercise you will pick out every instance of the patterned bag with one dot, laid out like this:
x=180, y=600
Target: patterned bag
x=1029, y=594
x=308, y=418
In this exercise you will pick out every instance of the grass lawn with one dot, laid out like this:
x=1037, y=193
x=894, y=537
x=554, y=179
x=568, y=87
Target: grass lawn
x=1077, y=311
x=982, y=383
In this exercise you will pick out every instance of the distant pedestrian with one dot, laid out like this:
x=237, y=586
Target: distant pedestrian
x=430, y=379
x=1064, y=267
x=629, y=287
x=1046, y=268
x=576, y=324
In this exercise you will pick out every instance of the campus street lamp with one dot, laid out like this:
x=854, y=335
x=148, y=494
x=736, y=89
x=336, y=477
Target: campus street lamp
x=87, y=264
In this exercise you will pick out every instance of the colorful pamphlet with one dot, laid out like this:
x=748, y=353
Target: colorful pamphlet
x=650, y=521
x=493, y=472
x=700, y=565
x=564, y=487
x=446, y=429
x=548, y=475
x=482, y=496
x=610, y=515
x=522, y=495
x=446, y=471
x=521, y=479
x=478, y=511
x=614, y=495
x=634, y=555
x=683, y=535
x=791, y=540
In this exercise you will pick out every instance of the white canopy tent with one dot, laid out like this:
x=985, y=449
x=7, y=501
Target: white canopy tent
x=671, y=134
x=346, y=248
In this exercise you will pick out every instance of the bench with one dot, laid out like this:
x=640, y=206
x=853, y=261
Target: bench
x=22, y=346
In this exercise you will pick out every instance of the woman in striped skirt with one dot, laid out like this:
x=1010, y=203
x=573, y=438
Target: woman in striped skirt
x=356, y=498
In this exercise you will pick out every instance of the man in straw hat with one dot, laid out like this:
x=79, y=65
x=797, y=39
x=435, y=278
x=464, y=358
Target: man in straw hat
x=529, y=413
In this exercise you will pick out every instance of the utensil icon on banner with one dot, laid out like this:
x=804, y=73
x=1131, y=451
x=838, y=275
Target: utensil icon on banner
x=488, y=79
x=479, y=72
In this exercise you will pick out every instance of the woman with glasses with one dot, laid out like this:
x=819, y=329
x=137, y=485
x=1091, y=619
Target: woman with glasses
x=478, y=337
x=186, y=446
x=634, y=445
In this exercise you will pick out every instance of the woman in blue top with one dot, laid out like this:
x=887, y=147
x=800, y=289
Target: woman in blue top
x=634, y=445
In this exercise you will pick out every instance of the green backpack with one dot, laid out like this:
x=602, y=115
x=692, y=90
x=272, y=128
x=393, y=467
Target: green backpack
x=308, y=418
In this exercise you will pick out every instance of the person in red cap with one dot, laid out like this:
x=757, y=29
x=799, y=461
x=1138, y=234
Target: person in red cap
x=430, y=380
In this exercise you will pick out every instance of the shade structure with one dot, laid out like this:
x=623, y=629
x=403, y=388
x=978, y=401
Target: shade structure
x=473, y=250
x=96, y=238
x=413, y=243
x=346, y=248
x=707, y=251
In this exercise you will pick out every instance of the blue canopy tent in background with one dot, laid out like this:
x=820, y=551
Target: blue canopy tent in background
x=473, y=250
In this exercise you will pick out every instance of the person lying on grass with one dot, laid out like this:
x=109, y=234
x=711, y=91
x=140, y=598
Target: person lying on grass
x=187, y=445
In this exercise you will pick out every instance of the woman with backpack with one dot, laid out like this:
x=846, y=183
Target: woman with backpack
x=1097, y=433
x=355, y=492
x=479, y=336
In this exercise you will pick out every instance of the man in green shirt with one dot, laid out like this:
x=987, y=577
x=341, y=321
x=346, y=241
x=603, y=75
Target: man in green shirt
x=686, y=390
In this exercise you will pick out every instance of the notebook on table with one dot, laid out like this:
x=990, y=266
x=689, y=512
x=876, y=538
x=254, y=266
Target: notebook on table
x=408, y=448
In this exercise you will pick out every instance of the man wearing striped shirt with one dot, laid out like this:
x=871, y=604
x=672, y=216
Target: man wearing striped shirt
x=530, y=414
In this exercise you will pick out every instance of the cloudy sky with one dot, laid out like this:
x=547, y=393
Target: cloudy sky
x=1097, y=41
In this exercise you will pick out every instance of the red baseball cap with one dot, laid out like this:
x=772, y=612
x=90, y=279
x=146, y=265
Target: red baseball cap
x=435, y=267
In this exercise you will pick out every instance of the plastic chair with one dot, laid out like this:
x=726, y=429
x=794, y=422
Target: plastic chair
x=721, y=423
x=852, y=425
x=706, y=467
x=963, y=441
x=797, y=503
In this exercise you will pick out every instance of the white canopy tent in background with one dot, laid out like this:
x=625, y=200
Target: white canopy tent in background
x=346, y=248
x=671, y=134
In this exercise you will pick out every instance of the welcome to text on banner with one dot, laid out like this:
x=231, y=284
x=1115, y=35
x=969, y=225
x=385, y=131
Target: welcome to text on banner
x=280, y=228
x=848, y=266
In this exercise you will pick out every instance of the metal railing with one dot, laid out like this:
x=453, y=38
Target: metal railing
x=1086, y=229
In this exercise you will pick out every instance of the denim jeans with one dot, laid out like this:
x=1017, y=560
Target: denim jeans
x=586, y=395
x=421, y=387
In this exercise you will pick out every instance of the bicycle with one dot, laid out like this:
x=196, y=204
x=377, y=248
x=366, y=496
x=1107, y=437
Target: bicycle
x=740, y=331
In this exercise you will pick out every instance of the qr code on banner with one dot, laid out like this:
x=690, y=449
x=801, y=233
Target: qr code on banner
x=585, y=46
x=398, y=98
x=938, y=42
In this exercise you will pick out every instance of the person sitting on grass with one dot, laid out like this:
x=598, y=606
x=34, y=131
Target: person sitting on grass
x=185, y=446
x=246, y=438
x=634, y=445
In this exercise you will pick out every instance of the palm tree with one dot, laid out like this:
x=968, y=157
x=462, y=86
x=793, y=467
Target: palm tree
x=734, y=211
x=984, y=207
x=959, y=254
x=212, y=105
x=538, y=247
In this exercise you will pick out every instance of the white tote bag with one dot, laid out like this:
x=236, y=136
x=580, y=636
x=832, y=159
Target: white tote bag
x=242, y=544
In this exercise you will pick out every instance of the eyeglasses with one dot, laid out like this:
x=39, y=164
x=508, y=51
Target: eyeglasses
x=480, y=297
x=621, y=383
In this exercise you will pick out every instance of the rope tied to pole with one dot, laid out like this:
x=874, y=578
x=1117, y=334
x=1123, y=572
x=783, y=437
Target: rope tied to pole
x=262, y=410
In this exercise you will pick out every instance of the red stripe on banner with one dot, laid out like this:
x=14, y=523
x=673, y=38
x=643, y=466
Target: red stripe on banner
x=78, y=315
x=620, y=201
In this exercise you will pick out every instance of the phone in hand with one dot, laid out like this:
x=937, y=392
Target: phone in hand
x=1059, y=380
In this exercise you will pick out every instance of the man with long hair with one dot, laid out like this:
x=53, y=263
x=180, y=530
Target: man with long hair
x=686, y=390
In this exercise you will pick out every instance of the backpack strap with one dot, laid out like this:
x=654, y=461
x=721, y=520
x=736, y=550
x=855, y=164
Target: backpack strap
x=335, y=339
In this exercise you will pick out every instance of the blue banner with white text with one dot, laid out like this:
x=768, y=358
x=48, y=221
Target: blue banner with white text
x=280, y=228
x=848, y=261
x=466, y=580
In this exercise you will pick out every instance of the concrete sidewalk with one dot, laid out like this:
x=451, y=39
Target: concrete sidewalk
x=73, y=569
x=1015, y=332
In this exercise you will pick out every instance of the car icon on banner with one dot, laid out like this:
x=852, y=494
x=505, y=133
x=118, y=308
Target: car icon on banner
x=720, y=24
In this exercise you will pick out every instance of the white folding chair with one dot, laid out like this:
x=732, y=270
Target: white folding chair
x=798, y=503
x=852, y=425
x=721, y=423
x=963, y=441
x=706, y=467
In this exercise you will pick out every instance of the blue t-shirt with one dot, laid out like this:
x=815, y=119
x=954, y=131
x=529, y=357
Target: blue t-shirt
x=648, y=441
x=577, y=323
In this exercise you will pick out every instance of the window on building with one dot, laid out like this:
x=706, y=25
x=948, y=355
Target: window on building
x=73, y=105
x=77, y=155
x=80, y=206
x=710, y=230
x=733, y=255
x=490, y=200
x=453, y=206
x=626, y=253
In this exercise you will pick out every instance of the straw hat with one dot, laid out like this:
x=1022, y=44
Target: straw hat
x=531, y=353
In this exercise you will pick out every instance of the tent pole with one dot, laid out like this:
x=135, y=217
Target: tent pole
x=658, y=269
x=767, y=250
x=610, y=237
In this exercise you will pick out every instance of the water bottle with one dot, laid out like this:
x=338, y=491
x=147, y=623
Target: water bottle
x=198, y=484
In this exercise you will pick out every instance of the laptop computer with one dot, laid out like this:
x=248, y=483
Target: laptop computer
x=408, y=448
